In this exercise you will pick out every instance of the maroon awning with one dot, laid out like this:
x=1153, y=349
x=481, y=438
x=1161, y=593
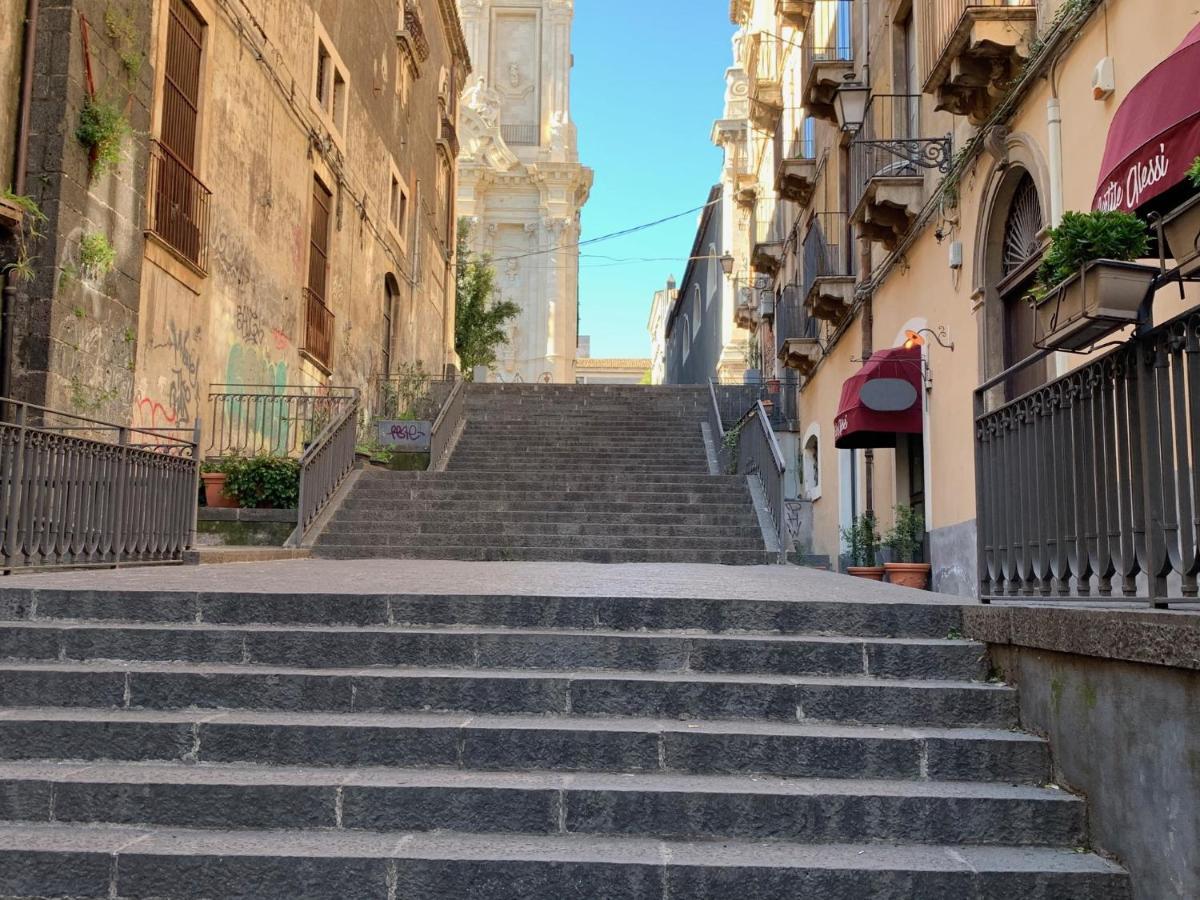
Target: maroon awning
x=881, y=401
x=1155, y=135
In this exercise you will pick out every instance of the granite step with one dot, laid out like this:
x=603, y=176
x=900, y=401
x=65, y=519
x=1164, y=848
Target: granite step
x=488, y=742
x=553, y=554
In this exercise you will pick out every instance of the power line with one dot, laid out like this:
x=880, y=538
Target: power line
x=608, y=237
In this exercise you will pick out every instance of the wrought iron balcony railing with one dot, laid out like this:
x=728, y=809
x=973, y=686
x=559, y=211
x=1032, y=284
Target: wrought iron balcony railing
x=318, y=328
x=179, y=206
x=889, y=144
x=827, y=250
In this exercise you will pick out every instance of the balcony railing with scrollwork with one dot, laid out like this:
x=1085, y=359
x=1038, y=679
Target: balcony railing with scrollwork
x=889, y=144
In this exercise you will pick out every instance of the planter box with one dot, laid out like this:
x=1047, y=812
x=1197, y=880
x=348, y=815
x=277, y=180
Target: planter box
x=1104, y=297
x=1182, y=227
x=11, y=215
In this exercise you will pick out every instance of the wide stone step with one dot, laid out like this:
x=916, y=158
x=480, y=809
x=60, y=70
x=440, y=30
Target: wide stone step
x=284, y=865
x=581, y=510
x=470, y=647
x=469, y=553
x=373, y=476
x=443, y=526
x=680, y=807
x=514, y=743
x=172, y=686
x=552, y=492
x=570, y=522
x=517, y=461
x=338, y=538
x=866, y=619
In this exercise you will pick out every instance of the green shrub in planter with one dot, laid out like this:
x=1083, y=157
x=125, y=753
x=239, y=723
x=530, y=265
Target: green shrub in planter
x=1084, y=237
x=862, y=541
x=906, y=539
x=262, y=482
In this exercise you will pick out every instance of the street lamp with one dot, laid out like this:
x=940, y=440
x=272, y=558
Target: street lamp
x=850, y=104
x=727, y=263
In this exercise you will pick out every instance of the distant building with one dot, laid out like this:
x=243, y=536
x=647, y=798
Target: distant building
x=702, y=340
x=660, y=308
x=612, y=371
x=521, y=185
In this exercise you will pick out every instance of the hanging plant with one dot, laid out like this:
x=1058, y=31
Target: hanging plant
x=32, y=219
x=103, y=129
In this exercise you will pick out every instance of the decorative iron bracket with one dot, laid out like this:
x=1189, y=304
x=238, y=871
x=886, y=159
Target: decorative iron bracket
x=928, y=153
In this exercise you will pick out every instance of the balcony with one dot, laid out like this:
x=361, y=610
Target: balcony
x=971, y=49
x=797, y=333
x=520, y=135
x=795, y=13
x=318, y=329
x=795, y=168
x=767, y=255
x=827, y=282
x=888, y=160
x=827, y=56
x=764, y=68
x=411, y=35
x=448, y=134
x=179, y=207
x=745, y=312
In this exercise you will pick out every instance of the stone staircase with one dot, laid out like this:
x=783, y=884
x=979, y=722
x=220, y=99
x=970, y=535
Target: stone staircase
x=185, y=744
x=560, y=472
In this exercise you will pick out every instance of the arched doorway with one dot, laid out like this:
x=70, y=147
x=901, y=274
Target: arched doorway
x=391, y=304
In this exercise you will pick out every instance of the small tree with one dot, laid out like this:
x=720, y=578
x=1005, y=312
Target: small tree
x=906, y=540
x=478, y=320
x=862, y=540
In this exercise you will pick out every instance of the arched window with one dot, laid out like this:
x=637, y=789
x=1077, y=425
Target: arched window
x=714, y=274
x=1020, y=249
x=810, y=467
x=687, y=339
x=391, y=302
x=697, y=310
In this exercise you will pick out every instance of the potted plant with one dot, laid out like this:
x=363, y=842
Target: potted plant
x=263, y=482
x=862, y=546
x=906, y=540
x=1182, y=227
x=1087, y=287
x=214, y=474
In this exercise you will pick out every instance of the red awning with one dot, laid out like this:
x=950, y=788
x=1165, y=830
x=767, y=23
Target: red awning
x=1155, y=135
x=881, y=401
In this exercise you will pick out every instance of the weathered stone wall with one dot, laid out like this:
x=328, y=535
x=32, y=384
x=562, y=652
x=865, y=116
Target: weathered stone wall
x=74, y=328
x=1117, y=693
x=145, y=343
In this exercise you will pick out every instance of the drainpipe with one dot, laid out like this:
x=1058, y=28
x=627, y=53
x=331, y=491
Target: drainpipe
x=20, y=164
x=1054, y=129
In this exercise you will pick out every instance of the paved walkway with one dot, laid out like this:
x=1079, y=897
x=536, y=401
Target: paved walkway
x=379, y=576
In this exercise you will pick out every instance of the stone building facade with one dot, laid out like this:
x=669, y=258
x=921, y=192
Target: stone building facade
x=282, y=211
x=903, y=162
x=521, y=184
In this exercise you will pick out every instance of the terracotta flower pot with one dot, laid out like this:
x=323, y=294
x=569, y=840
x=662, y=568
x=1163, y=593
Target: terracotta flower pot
x=214, y=491
x=871, y=573
x=912, y=575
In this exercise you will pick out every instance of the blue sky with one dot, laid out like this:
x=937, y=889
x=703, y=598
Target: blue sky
x=649, y=81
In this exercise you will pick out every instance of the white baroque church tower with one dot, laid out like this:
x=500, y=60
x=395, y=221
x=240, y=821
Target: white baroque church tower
x=520, y=184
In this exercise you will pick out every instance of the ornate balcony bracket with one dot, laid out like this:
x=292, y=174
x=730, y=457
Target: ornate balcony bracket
x=928, y=153
x=801, y=354
x=767, y=257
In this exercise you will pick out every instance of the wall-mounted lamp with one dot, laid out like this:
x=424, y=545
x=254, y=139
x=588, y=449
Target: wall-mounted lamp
x=727, y=263
x=850, y=104
x=913, y=338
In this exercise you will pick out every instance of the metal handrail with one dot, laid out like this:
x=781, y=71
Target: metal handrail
x=759, y=454
x=252, y=419
x=447, y=426
x=323, y=468
x=70, y=498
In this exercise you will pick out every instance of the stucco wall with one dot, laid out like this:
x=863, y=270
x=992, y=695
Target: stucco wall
x=703, y=338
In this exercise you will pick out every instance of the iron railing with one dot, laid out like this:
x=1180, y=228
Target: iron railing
x=407, y=395
x=780, y=396
x=889, y=144
x=179, y=206
x=764, y=59
x=826, y=250
x=758, y=455
x=78, y=492
x=829, y=35
x=792, y=320
x=324, y=466
x=318, y=328
x=521, y=135
x=940, y=19
x=280, y=420
x=1094, y=478
x=447, y=427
